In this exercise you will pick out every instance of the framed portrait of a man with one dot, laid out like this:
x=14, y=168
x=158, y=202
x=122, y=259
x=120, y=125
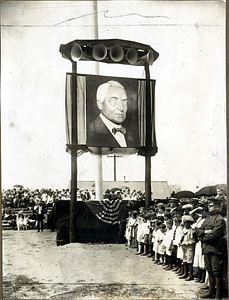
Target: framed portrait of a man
x=112, y=112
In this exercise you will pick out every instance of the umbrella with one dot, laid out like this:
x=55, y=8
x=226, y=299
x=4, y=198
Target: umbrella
x=207, y=191
x=114, y=189
x=125, y=187
x=18, y=186
x=184, y=194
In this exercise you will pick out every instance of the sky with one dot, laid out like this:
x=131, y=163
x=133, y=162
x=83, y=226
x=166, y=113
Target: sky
x=190, y=88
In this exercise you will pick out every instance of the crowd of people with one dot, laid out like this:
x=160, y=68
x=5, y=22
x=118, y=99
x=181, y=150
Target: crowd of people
x=20, y=206
x=187, y=237
x=28, y=209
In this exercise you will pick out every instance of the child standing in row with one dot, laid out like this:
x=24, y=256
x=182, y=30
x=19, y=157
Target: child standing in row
x=167, y=242
x=161, y=247
x=188, y=245
x=177, y=250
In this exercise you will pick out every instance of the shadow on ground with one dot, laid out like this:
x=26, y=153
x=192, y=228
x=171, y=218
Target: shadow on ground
x=21, y=287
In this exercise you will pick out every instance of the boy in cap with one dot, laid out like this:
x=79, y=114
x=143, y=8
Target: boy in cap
x=187, y=208
x=188, y=245
x=173, y=203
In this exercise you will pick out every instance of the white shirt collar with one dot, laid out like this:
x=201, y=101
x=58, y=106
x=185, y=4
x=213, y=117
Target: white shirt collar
x=120, y=138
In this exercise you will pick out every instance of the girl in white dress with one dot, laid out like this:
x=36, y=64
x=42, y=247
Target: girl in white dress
x=198, y=262
x=161, y=247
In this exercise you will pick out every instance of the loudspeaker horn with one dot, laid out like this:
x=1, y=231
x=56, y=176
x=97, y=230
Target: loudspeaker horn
x=132, y=56
x=99, y=52
x=76, y=52
x=148, y=58
x=116, y=53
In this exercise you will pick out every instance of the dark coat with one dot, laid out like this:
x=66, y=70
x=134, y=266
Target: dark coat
x=99, y=135
x=123, y=213
x=43, y=211
x=212, y=242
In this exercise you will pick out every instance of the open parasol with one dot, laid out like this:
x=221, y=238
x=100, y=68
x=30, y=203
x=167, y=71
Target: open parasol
x=184, y=194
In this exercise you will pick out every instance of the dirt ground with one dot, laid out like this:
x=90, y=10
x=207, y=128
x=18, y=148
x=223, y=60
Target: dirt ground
x=35, y=268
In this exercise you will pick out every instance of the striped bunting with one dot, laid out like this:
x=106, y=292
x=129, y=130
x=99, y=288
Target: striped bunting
x=106, y=210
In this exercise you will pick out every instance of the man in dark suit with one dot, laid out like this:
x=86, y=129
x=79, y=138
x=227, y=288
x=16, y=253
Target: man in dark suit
x=40, y=211
x=107, y=130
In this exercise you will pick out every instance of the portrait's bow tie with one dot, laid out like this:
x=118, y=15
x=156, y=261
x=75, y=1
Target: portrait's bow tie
x=119, y=129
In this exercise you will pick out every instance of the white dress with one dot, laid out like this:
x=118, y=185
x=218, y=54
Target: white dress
x=198, y=257
x=154, y=240
x=140, y=221
x=168, y=240
x=178, y=236
x=142, y=230
x=129, y=227
x=161, y=247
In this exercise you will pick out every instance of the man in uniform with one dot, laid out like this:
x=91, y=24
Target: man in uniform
x=211, y=233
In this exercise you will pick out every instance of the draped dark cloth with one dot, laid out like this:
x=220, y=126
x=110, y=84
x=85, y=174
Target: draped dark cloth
x=96, y=221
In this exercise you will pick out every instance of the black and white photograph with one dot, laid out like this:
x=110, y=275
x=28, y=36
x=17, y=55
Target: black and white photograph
x=114, y=150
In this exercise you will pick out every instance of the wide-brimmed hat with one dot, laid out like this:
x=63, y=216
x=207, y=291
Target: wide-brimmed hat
x=187, y=206
x=214, y=200
x=172, y=200
x=187, y=218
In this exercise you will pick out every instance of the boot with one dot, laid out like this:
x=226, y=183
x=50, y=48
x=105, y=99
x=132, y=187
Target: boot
x=199, y=275
x=203, y=273
x=139, y=249
x=169, y=266
x=150, y=251
x=185, y=275
x=205, y=287
x=144, y=249
x=178, y=267
x=153, y=255
x=219, y=288
x=178, y=271
x=211, y=292
x=190, y=275
x=181, y=272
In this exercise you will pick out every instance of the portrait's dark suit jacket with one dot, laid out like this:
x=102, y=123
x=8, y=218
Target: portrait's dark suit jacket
x=99, y=135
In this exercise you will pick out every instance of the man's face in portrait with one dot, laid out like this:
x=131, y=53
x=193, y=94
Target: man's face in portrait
x=114, y=106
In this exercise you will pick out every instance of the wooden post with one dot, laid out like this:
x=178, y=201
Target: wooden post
x=115, y=166
x=73, y=204
x=99, y=175
x=148, y=140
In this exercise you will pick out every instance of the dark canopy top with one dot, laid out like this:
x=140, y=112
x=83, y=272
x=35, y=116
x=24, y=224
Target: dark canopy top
x=142, y=49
